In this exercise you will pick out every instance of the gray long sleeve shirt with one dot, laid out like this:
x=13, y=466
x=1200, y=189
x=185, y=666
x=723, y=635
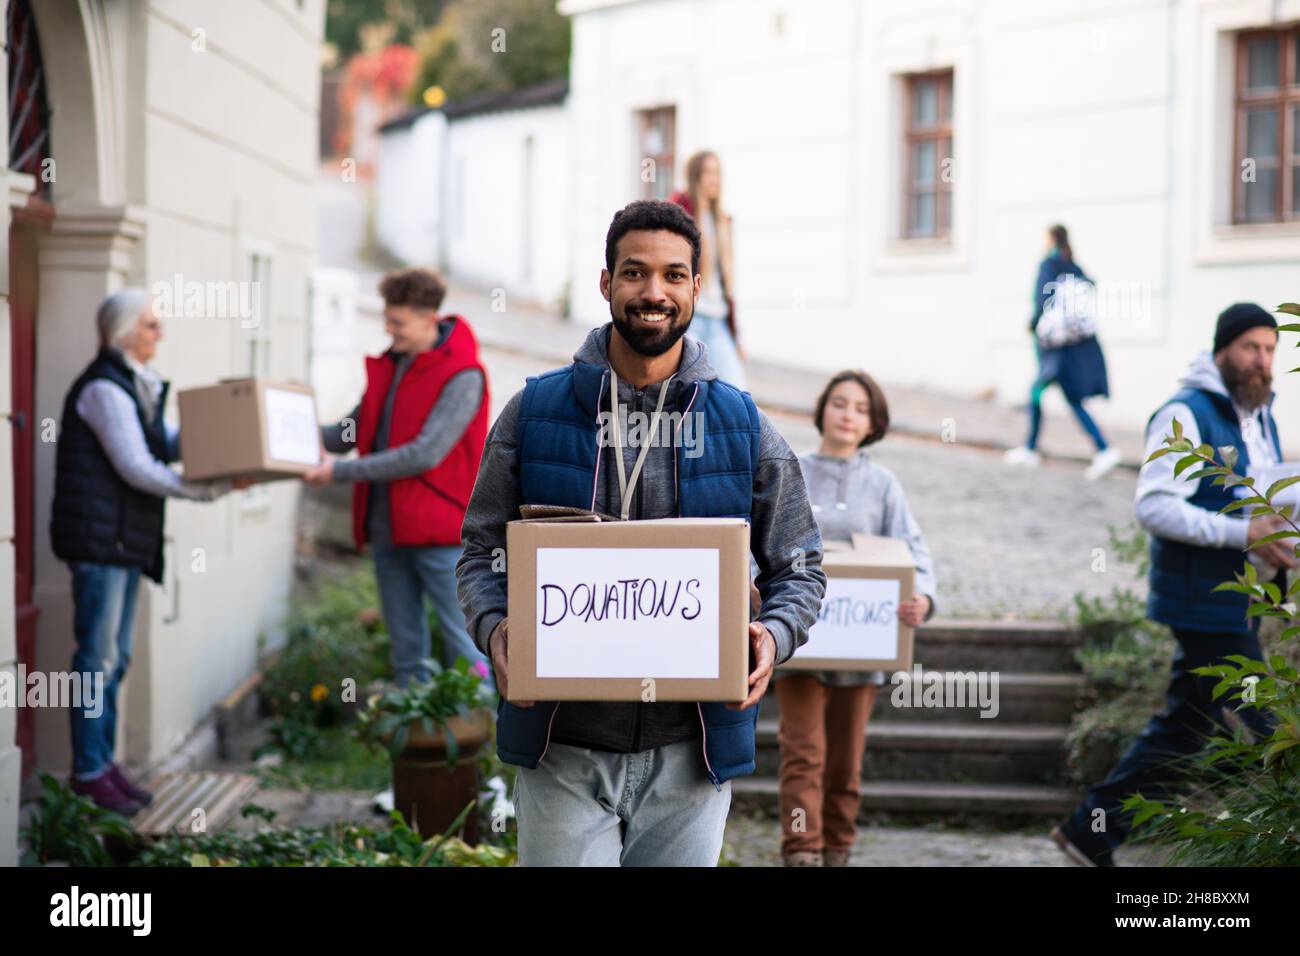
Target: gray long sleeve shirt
x=111, y=414
x=781, y=527
x=444, y=427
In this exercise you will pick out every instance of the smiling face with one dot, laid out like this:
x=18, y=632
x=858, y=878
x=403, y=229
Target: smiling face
x=651, y=292
x=413, y=330
x=846, y=422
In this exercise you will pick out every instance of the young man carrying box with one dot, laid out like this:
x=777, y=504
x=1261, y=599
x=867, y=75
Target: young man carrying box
x=632, y=783
x=419, y=435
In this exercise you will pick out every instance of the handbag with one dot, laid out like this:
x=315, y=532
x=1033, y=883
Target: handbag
x=1069, y=314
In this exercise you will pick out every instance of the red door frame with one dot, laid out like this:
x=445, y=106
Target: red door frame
x=24, y=280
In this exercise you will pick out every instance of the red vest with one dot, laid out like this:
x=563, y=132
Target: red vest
x=429, y=508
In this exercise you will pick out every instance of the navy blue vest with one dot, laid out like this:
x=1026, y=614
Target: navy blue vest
x=1183, y=576
x=559, y=464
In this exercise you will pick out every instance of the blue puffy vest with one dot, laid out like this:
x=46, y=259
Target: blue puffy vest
x=559, y=464
x=1183, y=576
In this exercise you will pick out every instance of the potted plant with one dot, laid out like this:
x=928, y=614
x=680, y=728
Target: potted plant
x=433, y=730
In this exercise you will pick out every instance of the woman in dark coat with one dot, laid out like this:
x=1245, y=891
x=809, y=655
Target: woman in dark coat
x=1079, y=368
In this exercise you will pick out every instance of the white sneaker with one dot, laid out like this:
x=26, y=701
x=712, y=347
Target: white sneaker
x=383, y=802
x=1022, y=456
x=1102, y=462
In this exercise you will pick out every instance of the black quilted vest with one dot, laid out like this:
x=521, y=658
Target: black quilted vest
x=97, y=517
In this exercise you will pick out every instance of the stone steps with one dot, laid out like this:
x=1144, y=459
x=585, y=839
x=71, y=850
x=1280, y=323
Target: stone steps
x=1041, y=698
x=934, y=751
x=950, y=761
x=1010, y=801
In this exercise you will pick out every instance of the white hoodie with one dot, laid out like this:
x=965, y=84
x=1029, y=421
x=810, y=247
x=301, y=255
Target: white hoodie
x=1161, y=500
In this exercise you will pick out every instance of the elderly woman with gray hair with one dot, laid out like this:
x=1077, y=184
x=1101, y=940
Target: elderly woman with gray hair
x=111, y=480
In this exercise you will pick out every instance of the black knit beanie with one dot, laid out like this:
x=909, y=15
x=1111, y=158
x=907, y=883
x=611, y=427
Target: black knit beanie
x=1238, y=318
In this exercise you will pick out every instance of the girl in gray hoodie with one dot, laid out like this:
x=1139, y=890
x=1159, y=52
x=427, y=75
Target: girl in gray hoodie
x=824, y=714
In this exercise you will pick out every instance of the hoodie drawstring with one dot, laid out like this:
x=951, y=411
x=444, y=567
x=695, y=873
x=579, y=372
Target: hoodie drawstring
x=625, y=485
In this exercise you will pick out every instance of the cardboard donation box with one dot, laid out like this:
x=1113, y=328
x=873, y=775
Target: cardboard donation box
x=858, y=628
x=248, y=428
x=628, y=610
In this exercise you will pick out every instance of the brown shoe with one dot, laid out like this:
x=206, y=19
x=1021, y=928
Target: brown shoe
x=835, y=857
x=802, y=858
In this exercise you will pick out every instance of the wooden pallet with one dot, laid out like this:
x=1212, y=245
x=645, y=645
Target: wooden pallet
x=178, y=795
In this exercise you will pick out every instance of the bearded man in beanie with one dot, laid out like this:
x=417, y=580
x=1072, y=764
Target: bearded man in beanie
x=1225, y=400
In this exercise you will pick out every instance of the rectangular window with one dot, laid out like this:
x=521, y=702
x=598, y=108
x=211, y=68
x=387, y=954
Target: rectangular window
x=1266, y=173
x=257, y=325
x=927, y=154
x=656, y=142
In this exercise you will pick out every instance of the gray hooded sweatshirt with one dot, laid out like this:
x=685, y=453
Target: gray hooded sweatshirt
x=781, y=527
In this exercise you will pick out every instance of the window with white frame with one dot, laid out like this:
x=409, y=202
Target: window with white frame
x=927, y=155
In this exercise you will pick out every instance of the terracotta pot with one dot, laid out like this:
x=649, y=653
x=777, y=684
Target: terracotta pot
x=428, y=793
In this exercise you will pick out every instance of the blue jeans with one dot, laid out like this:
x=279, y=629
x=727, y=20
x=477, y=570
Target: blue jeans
x=405, y=575
x=103, y=597
x=1154, y=762
x=723, y=356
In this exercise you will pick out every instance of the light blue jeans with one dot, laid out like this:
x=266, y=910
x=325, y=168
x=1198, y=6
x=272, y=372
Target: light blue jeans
x=593, y=808
x=103, y=598
x=713, y=332
x=405, y=575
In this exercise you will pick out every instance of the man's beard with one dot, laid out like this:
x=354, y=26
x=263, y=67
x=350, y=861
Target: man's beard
x=1250, y=388
x=649, y=342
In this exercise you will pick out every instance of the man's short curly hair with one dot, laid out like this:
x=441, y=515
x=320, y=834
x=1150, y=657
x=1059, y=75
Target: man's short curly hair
x=417, y=287
x=653, y=214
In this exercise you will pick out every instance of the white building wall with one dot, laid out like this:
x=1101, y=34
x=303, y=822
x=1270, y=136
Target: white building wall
x=1111, y=117
x=508, y=194
x=408, y=191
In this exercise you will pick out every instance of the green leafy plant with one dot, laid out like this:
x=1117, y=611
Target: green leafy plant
x=456, y=690
x=1243, y=806
x=70, y=828
x=338, y=845
x=1125, y=660
x=334, y=636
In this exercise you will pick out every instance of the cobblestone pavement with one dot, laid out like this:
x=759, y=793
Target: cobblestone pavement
x=754, y=840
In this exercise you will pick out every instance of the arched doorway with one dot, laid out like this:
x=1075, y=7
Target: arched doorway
x=29, y=148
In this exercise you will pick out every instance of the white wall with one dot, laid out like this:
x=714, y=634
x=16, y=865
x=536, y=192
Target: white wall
x=1110, y=117
x=408, y=191
x=488, y=199
x=509, y=199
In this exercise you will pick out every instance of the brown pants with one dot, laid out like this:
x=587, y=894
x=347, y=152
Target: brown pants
x=822, y=733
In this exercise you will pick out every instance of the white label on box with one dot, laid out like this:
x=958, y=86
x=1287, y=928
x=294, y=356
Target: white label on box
x=291, y=430
x=627, y=612
x=858, y=621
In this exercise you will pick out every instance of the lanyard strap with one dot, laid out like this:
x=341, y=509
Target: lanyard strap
x=627, y=485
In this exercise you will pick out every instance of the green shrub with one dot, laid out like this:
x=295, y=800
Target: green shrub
x=339, y=845
x=68, y=827
x=336, y=635
x=1125, y=659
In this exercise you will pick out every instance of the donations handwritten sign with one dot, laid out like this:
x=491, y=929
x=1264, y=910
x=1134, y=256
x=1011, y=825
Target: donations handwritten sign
x=858, y=620
x=627, y=612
